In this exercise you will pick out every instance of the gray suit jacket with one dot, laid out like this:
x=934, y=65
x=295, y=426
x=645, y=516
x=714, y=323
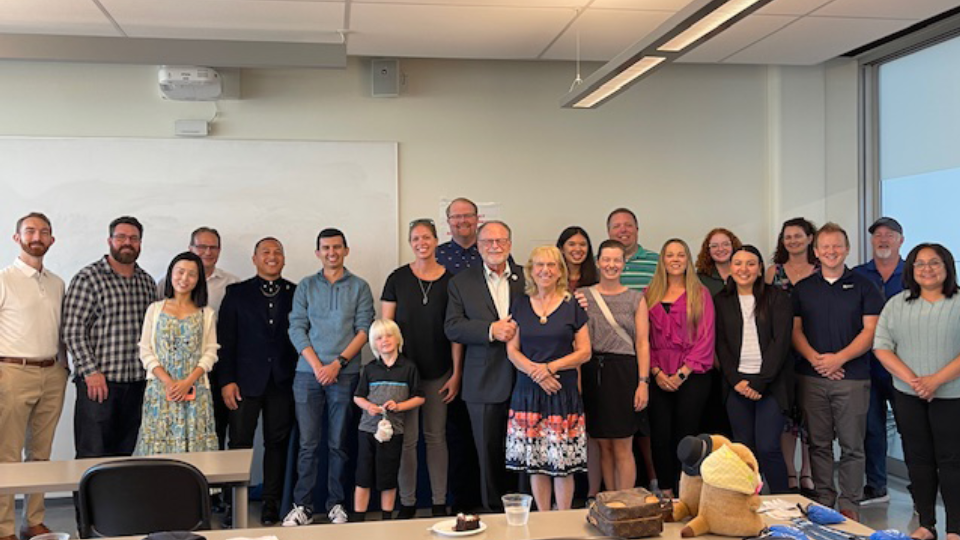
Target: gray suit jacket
x=487, y=373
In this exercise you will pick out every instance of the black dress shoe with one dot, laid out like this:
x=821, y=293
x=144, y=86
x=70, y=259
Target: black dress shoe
x=407, y=512
x=269, y=513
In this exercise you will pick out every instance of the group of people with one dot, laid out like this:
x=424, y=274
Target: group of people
x=576, y=361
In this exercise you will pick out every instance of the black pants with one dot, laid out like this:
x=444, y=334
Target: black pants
x=276, y=404
x=931, y=448
x=463, y=477
x=673, y=416
x=109, y=428
x=221, y=414
x=489, y=423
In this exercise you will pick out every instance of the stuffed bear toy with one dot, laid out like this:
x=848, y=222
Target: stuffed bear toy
x=692, y=451
x=729, y=496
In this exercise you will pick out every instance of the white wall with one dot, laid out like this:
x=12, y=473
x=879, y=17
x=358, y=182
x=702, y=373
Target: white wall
x=693, y=147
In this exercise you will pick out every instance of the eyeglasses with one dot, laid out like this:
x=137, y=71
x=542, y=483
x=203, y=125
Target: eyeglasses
x=502, y=242
x=204, y=247
x=933, y=265
x=720, y=245
x=135, y=239
x=458, y=217
x=421, y=221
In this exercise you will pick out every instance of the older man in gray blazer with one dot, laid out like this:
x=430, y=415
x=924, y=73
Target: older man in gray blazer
x=479, y=316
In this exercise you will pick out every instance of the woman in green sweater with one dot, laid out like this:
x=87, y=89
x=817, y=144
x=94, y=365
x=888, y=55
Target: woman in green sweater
x=918, y=341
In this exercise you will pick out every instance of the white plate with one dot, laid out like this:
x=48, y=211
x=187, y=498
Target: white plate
x=445, y=528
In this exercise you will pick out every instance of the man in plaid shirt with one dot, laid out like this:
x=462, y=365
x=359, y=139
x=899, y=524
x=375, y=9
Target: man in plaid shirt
x=102, y=317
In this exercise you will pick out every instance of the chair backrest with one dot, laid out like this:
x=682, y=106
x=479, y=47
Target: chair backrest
x=142, y=496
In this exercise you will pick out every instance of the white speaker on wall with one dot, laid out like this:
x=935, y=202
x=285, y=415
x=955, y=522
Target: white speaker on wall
x=385, y=76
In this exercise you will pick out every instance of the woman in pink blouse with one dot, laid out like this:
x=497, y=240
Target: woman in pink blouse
x=681, y=355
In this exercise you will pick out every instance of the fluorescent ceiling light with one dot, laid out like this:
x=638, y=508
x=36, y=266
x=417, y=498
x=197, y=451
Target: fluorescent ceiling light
x=687, y=29
x=706, y=25
x=615, y=84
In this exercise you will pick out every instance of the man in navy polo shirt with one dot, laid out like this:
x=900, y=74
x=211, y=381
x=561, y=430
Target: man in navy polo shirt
x=835, y=315
x=885, y=270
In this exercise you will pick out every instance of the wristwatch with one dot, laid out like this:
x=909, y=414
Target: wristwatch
x=681, y=375
x=342, y=361
x=645, y=379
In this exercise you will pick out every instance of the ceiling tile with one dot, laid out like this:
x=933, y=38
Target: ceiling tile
x=796, y=7
x=605, y=33
x=643, y=5
x=453, y=32
x=67, y=17
x=886, y=9
x=739, y=36
x=245, y=20
x=812, y=40
x=482, y=3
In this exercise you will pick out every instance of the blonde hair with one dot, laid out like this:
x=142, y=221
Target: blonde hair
x=384, y=326
x=694, y=289
x=550, y=253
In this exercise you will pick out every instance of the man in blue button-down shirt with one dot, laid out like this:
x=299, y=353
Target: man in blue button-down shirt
x=885, y=270
x=332, y=311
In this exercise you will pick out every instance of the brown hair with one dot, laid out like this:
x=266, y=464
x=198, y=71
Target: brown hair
x=705, y=264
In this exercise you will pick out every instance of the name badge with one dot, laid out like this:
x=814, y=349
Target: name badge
x=847, y=286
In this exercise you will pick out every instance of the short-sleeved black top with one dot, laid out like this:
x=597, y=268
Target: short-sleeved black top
x=421, y=323
x=832, y=316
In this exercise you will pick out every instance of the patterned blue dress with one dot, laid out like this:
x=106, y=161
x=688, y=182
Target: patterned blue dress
x=171, y=427
x=546, y=433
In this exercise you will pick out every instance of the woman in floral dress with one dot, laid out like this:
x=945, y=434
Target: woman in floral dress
x=178, y=347
x=546, y=435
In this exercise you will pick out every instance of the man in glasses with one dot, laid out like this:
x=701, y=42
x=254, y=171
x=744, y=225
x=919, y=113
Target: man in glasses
x=205, y=243
x=885, y=270
x=479, y=316
x=461, y=252
x=102, y=318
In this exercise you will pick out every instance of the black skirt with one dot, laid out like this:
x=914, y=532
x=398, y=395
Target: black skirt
x=609, y=383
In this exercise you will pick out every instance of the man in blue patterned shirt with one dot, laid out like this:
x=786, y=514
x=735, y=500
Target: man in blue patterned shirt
x=461, y=252
x=102, y=318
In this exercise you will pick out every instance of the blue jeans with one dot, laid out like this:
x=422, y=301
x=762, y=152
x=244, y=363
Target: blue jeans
x=758, y=424
x=875, y=444
x=311, y=401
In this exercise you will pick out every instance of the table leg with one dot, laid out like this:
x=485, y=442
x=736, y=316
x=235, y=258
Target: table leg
x=240, y=506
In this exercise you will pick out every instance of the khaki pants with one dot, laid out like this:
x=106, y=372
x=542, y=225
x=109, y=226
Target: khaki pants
x=31, y=399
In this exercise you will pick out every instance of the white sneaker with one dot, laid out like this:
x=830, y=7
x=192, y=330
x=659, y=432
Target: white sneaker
x=337, y=515
x=298, y=516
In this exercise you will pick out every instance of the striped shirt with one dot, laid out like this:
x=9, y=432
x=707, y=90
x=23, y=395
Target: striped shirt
x=102, y=319
x=639, y=269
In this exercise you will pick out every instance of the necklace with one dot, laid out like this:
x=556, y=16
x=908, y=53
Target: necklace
x=270, y=289
x=425, y=292
x=543, y=316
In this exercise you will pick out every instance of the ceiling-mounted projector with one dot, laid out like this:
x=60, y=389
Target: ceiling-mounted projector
x=190, y=83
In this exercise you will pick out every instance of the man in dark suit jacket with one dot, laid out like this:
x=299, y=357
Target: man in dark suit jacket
x=257, y=364
x=479, y=316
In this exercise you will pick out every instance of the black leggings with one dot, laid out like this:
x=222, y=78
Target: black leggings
x=673, y=416
x=931, y=448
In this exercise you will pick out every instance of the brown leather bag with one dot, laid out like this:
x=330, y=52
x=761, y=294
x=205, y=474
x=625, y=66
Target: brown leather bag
x=629, y=513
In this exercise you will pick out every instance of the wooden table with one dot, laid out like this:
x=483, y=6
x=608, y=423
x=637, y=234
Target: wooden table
x=227, y=467
x=542, y=525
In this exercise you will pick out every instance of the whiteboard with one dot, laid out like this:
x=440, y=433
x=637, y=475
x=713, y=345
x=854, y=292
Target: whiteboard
x=245, y=189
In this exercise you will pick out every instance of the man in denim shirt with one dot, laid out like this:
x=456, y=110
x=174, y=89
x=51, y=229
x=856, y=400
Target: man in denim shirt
x=332, y=311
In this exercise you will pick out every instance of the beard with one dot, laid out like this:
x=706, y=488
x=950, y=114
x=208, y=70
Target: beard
x=36, y=249
x=124, y=255
x=884, y=253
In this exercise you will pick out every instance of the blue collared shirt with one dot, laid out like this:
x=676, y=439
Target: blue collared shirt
x=889, y=288
x=327, y=316
x=455, y=257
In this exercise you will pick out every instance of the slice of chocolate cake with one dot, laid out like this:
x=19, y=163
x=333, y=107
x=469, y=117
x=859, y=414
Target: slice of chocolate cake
x=467, y=523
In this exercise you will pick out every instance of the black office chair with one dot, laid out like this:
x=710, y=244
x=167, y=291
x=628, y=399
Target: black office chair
x=142, y=496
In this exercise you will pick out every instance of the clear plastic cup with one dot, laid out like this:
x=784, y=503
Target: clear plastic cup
x=517, y=508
